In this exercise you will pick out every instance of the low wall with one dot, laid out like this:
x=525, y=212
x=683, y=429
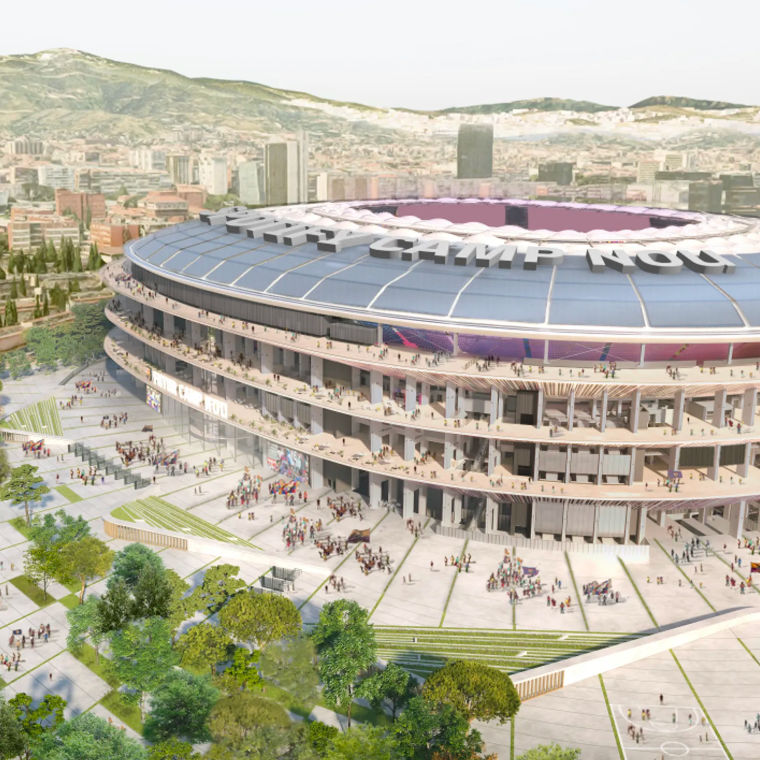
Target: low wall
x=632, y=553
x=536, y=681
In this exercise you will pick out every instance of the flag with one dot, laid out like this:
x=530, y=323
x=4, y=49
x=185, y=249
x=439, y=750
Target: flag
x=358, y=536
x=754, y=567
x=530, y=571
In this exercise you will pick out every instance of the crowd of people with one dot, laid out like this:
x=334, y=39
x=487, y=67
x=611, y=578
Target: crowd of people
x=246, y=492
x=370, y=560
x=109, y=421
x=19, y=640
x=345, y=506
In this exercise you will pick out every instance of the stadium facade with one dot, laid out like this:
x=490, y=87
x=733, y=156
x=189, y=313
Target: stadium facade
x=513, y=367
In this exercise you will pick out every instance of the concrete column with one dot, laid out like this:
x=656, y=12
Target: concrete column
x=570, y=409
x=627, y=535
x=410, y=399
x=492, y=515
x=355, y=378
x=539, y=407
x=375, y=387
x=743, y=468
x=424, y=394
x=451, y=397
x=712, y=471
x=678, y=406
x=568, y=460
x=634, y=418
x=375, y=489
x=641, y=529
x=447, y=508
x=595, y=534
x=195, y=332
x=600, y=467
x=563, y=536
x=603, y=412
x=408, y=501
x=266, y=351
x=674, y=458
x=375, y=438
x=706, y=514
x=448, y=450
x=197, y=376
x=531, y=520
x=316, y=479
x=494, y=406
x=422, y=501
x=492, y=456
x=619, y=409
x=736, y=514
x=409, y=448
x=720, y=402
x=317, y=368
x=455, y=341
x=457, y=510
x=749, y=404
x=317, y=420
x=169, y=327
x=147, y=314
x=662, y=518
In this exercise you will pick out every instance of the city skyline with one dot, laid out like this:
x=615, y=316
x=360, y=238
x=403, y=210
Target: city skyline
x=679, y=55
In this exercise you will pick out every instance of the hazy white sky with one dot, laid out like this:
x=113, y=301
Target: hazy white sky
x=421, y=53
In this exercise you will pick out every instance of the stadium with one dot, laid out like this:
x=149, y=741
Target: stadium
x=513, y=370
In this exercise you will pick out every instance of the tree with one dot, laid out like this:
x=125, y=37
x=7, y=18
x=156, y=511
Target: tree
x=12, y=738
x=152, y=593
x=426, y=730
x=141, y=655
x=550, y=752
x=172, y=749
x=321, y=736
x=84, y=560
x=24, y=486
x=203, y=646
x=360, y=743
x=84, y=622
x=180, y=606
x=219, y=583
x=87, y=737
x=234, y=718
x=346, y=647
x=393, y=683
x=242, y=672
x=131, y=561
x=36, y=721
x=291, y=664
x=477, y=691
x=41, y=562
x=114, y=607
x=179, y=708
x=259, y=619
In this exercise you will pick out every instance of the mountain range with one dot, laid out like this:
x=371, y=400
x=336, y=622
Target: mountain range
x=67, y=93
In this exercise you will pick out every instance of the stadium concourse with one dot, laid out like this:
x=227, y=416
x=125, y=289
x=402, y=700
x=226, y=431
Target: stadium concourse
x=424, y=612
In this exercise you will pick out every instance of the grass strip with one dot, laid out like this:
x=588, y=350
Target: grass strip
x=688, y=580
x=71, y=495
x=749, y=651
x=577, y=594
x=451, y=587
x=395, y=572
x=70, y=601
x=701, y=705
x=19, y=523
x=638, y=592
x=612, y=718
x=87, y=655
x=512, y=738
x=125, y=711
x=34, y=592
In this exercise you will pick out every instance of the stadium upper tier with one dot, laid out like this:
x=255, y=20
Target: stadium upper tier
x=684, y=275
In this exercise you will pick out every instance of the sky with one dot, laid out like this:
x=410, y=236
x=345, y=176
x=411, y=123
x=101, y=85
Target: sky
x=421, y=54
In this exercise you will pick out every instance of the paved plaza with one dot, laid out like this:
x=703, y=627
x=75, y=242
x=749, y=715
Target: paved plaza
x=425, y=609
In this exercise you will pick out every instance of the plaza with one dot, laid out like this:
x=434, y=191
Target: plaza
x=423, y=615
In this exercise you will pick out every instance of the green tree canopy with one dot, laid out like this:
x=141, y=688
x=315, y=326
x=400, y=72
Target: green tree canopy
x=84, y=560
x=203, y=646
x=393, y=683
x=476, y=690
x=130, y=561
x=219, y=583
x=360, y=743
x=291, y=664
x=141, y=656
x=37, y=721
x=236, y=717
x=13, y=741
x=84, y=622
x=114, y=607
x=180, y=707
x=87, y=737
x=172, y=749
x=24, y=486
x=346, y=647
x=152, y=593
x=426, y=730
x=259, y=619
x=242, y=672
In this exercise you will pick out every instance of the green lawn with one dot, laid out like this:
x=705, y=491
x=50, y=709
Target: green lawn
x=508, y=650
x=70, y=601
x=71, y=495
x=41, y=418
x=159, y=513
x=19, y=523
x=25, y=586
